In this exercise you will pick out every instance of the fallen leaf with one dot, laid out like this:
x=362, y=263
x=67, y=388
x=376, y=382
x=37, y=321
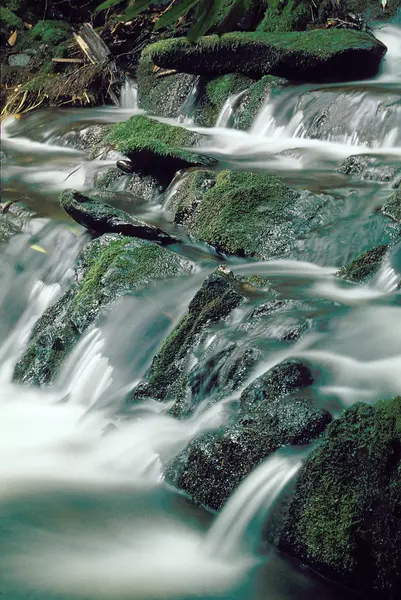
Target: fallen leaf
x=28, y=25
x=13, y=38
x=38, y=248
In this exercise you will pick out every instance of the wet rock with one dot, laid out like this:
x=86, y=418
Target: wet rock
x=162, y=93
x=99, y=217
x=369, y=168
x=214, y=94
x=372, y=10
x=363, y=268
x=106, y=179
x=317, y=55
x=249, y=214
x=344, y=519
x=155, y=148
x=108, y=268
x=12, y=221
x=214, y=302
x=392, y=208
x=254, y=98
x=214, y=464
x=86, y=138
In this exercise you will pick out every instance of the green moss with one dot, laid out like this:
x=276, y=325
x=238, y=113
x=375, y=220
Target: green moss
x=365, y=266
x=8, y=19
x=214, y=301
x=344, y=519
x=155, y=147
x=254, y=98
x=318, y=54
x=242, y=212
x=215, y=94
x=392, y=208
x=293, y=16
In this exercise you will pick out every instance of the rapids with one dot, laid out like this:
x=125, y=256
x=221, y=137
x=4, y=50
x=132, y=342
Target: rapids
x=84, y=509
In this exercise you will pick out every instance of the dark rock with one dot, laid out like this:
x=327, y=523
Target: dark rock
x=100, y=218
x=108, y=268
x=365, y=266
x=317, y=55
x=368, y=168
x=167, y=377
x=214, y=464
x=344, y=520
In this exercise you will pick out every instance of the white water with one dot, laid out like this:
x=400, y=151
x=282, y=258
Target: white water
x=84, y=511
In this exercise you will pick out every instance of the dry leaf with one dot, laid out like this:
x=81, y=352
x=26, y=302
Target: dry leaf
x=28, y=25
x=13, y=38
x=38, y=248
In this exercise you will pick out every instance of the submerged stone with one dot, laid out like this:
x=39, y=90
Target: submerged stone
x=99, y=217
x=344, y=519
x=272, y=413
x=154, y=147
x=108, y=267
x=317, y=55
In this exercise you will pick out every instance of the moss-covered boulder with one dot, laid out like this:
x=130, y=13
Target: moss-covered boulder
x=167, y=378
x=254, y=98
x=215, y=92
x=290, y=15
x=99, y=217
x=392, y=208
x=154, y=147
x=318, y=55
x=109, y=267
x=249, y=214
x=363, y=268
x=344, y=519
x=214, y=464
x=161, y=92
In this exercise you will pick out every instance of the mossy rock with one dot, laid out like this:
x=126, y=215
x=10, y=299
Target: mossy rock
x=249, y=214
x=160, y=93
x=108, y=268
x=154, y=147
x=214, y=94
x=290, y=15
x=254, y=98
x=363, y=268
x=392, y=208
x=215, y=300
x=318, y=55
x=99, y=217
x=344, y=520
x=271, y=415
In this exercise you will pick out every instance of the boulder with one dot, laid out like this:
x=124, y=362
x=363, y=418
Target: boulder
x=344, y=520
x=363, y=268
x=273, y=412
x=392, y=208
x=109, y=267
x=155, y=148
x=167, y=378
x=250, y=214
x=99, y=217
x=317, y=55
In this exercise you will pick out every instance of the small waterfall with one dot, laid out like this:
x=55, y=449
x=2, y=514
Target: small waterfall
x=129, y=95
x=186, y=115
x=251, y=503
x=227, y=113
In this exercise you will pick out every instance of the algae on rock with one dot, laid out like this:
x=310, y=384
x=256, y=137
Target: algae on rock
x=365, y=266
x=344, y=519
x=317, y=55
x=155, y=147
x=109, y=267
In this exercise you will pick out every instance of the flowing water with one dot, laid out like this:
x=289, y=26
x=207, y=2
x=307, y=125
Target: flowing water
x=84, y=509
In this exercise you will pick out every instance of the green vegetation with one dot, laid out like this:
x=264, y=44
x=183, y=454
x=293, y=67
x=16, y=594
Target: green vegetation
x=155, y=147
x=8, y=19
x=216, y=92
x=316, y=55
x=293, y=16
x=51, y=32
x=365, y=266
x=344, y=519
x=254, y=98
x=240, y=214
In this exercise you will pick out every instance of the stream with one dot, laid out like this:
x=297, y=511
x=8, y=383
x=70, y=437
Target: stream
x=84, y=509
